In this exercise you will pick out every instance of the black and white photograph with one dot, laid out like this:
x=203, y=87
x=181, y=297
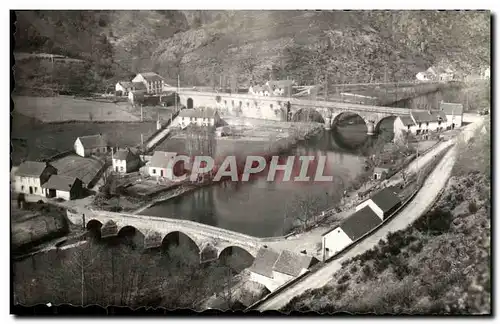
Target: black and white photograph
x=249, y=162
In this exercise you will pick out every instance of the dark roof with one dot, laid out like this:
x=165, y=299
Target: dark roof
x=359, y=223
x=291, y=263
x=428, y=116
x=386, y=199
x=452, y=108
x=60, y=182
x=151, y=76
x=139, y=85
x=126, y=155
x=407, y=120
x=197, y=113
x=264, y=262
x=383, y=168
x=161, y=159
x=31, y=169
x=93, y=141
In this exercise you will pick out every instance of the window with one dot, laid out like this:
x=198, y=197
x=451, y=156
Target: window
x=225, y=102
x=36, y=189
x=232, y=102
x=427, y=124
x=408, y=127
x=22, y=187
x=439, y=122
x=418, y=131
x=271, y=105
x=419, y=125
x=121, y=168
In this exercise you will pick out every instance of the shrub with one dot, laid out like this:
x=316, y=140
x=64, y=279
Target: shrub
x=367, y=271
x=435, y=222
x=416, y=247
x=472, y=207
x=354, y=268
x=343, y=279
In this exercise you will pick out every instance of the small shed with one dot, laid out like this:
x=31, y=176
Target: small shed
x=64, y=187
x=381, y=172
x=125, y=161
x=383, y=203
x=91, y=144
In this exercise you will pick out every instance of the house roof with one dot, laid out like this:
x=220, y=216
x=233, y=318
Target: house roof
x=161, y=159
x=124, y=154
x=452, y=108
x=126, y=84
x=291, y=263
x=60, y=182
x=264, y=262
x=261, y=88
x=382, y=169
x=359, y=223
x=151, y=76
x=406, y=120
x=386, y=199
x=428, y=116
x=139, y=86
x=93, y=141
x=31, y=169
x=198, y=113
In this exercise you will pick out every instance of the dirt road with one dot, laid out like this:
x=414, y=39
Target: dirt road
x=422, y=202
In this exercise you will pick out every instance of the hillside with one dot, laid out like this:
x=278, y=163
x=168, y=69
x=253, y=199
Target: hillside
x=441, y=264
x=239, y=46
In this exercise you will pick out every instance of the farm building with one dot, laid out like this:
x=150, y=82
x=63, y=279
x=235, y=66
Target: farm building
x=151, y=81
x=92, y=144
x=420, y=124
x=454, y=114
x=290, y=265
x=30, y=176
x=67, y=188
x=259, y=90
x=88, y=170
x=261, y=270
x=125, y=161
x=351, y=229
x=381, y=172
x=122, y=88
x=383, y=203
x=200, y=117
x=161, y=165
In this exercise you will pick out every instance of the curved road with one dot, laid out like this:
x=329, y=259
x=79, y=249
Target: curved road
x=422, y=202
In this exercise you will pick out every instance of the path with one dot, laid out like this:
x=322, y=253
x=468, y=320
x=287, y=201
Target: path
x=422, y=202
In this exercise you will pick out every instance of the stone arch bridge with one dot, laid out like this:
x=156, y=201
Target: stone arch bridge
x=211, y=241
x=275, y=108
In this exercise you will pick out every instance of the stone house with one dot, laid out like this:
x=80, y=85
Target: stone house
x=199, y=117
x=91, y=144
x=125, y=161
x=59, y=186
x=31, y=175
x=152, y=82
x=161, y=165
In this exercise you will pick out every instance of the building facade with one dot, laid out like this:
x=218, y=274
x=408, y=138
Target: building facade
x=64, y=187
x=125, y=161
x=30, y=176
x=161, y=165
x=419, y=123
x=199, y=117
x=89, y=145
x=152, y=82
x=454, y=114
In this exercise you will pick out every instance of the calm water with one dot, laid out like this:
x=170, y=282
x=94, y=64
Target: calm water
x=261, y=208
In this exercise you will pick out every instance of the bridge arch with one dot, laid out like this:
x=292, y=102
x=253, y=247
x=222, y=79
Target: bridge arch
x=177, y=239
x=190, y=103
x=93, y=227
x=132, y=236
x=308, y=114
x=235, y=257
x=385, y=127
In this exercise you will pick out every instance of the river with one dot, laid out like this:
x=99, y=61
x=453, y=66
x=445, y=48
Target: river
x=270, y=208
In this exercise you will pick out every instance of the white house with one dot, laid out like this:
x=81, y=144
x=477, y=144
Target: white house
x=125, y=161
x=91, y=144
x=200, y=117
x=383, y=203
x=290, y=265
x=152, y=81
x=454, y=114
x=403, y=125
x=122, y=88
x=423, y=76
x=261, y=270
x=428, y=121
x=260, y=90
x=30, y=176
x=160, y=165
x=351, y=229
x=281, y=87
x=59, y=186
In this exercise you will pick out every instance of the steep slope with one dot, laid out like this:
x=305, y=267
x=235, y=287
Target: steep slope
x=235, y=47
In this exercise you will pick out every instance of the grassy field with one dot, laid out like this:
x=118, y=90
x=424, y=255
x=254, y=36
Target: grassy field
x=33, y=140
x=66, y=108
